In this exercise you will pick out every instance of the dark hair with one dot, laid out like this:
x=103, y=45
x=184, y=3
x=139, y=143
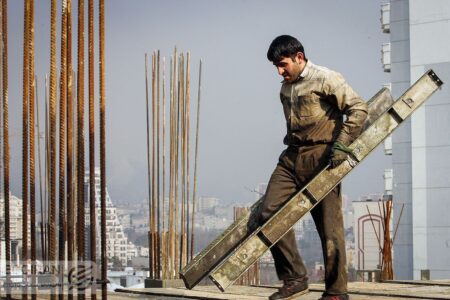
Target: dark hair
x=284, y=46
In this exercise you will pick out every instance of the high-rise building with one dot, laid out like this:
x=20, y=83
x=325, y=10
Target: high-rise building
x=418, y=32
x=117, y=244
x=15, y=218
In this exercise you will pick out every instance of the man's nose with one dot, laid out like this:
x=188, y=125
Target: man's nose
x=280, y=70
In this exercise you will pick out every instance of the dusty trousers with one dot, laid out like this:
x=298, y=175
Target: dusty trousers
x=296, y=166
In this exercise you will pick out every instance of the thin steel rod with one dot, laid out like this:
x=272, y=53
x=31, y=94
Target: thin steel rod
x=171, y=175
x=69, y=147
x=25, y=125
x=176, y=172
x=102, y=143
x=52, y=148
x=41, y=196
x=92, y=206
x=398, y=223
x=194, y=194
x=62, y=149
x=153, y=219
x=32, y=155
x=148, y=161
x=80, y=148
x=164, y=247
x=46, y=202
x=158, y=158
x=5, y=110
x=183, y=161
x=188, y=103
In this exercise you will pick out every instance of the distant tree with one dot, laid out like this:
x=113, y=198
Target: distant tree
x=116, y=263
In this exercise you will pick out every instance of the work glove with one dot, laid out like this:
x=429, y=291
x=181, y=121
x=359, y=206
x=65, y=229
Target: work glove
x=339, y=153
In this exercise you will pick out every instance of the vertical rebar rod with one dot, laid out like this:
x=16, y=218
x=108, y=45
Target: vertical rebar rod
x=32, y=153
x=69, y=147
x=154, y=189
x=148, y=165
x=32, y=150
x=183, y=161
x=46, y=201
x=176, y=172
x=80, y=147
x=188, y=103
x=52, y=142
x=194, y=194
x=41, y=196
x=102, y=142
x=25, y=126
x=171, y=178
x=158, y=158
x=5, y=111
x=62, y=149
x=164, y=248
x=92, y=206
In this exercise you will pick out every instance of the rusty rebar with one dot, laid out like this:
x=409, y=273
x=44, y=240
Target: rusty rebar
x=188, y=103
x=25, y=125
x=92, y=208
x=194, y=194
x=5, y=110
x=153, y=218
x=80, y=147
x=62, y=149
x=102, y=143
x=46, y=202
x=183, y=160
x=176, y=172
x=164, y=241
x=171, y=238
x=41, y=196
x=32, y=168
x=148, y=164
x=52, y=144
x=32, y=151
x=69, y=147
x=158, y=158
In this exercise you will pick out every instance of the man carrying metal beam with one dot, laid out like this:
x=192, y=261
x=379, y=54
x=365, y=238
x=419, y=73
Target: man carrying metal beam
x=315, y=101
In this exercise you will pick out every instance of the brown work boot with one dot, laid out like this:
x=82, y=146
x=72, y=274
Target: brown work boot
x=335, y=297
x=291, y=288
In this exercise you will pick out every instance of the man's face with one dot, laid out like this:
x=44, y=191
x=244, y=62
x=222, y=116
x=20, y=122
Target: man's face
x=290, y=68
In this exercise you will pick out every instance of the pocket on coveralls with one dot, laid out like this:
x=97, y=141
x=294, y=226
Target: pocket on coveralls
x=309, y=162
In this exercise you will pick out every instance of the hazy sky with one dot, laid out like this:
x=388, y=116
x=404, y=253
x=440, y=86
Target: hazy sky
x=242, y=124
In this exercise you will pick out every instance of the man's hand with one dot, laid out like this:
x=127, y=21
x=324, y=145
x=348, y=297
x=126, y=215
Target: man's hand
x=339, y=153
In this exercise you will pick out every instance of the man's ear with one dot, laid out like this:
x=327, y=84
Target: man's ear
x=299, y=57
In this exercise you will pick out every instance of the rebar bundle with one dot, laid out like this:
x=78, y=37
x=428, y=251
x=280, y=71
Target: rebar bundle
x=171, y=246
x=70, y=248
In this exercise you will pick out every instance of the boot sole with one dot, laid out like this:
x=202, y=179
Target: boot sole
x=298, y=294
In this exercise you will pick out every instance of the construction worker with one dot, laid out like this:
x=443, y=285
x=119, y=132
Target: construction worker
x=315, y=100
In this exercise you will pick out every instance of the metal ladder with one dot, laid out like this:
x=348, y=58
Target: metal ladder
x=238, y=247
